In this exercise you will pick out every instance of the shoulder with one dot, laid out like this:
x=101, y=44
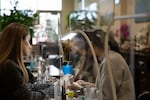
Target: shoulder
x=117, y=58
x=118, y=63
x=10, y=66
x=10, y=63
x=11, y=73
x=115, y=55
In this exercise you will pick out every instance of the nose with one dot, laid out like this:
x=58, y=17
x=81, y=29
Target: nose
x=30, y=47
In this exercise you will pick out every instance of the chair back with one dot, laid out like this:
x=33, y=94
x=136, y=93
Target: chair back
x=144, y=96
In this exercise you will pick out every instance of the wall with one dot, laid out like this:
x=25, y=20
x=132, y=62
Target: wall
x=67, y=6
x=78, y=3
x=124, y=8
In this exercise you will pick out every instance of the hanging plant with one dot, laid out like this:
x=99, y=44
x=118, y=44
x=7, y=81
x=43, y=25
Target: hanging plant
x=82, y=19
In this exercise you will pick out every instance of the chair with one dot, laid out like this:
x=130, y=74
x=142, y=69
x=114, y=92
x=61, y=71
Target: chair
x=144, y=96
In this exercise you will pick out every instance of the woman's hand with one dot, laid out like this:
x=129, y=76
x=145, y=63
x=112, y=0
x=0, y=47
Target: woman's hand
x=85, y=84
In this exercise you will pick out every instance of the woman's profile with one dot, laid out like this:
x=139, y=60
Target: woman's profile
x=14, y=85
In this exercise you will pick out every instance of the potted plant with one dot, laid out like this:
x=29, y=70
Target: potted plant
x=27, y=17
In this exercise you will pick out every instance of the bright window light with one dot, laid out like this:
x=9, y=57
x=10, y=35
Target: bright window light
x=68, y=36
x=92, y=7
x=51, y=5
x=117, y=1
x=32, y=4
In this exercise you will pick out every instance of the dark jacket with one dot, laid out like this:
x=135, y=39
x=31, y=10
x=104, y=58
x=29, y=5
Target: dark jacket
x=32, y=79
x=14, y=87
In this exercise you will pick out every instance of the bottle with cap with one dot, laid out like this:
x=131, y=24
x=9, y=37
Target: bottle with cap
x=67, y=67
x=82, y=94
x=63, y=94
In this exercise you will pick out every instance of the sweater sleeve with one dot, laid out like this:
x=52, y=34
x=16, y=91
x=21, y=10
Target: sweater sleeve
x=11, y=77
x=12, y=85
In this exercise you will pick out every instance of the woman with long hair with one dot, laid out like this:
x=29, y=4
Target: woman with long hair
x=14, y=44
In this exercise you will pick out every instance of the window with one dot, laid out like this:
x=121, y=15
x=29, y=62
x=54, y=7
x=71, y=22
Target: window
x=50, y=5
x=117, y=2
x=49, y=11
x=47, y=29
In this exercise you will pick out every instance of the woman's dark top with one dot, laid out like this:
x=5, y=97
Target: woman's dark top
x=32, y=79
x=14, y=87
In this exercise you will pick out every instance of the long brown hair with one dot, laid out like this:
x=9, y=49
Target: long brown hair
x=10, y=44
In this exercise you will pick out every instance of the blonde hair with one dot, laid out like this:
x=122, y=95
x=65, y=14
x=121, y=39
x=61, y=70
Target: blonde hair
x=10, y=45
